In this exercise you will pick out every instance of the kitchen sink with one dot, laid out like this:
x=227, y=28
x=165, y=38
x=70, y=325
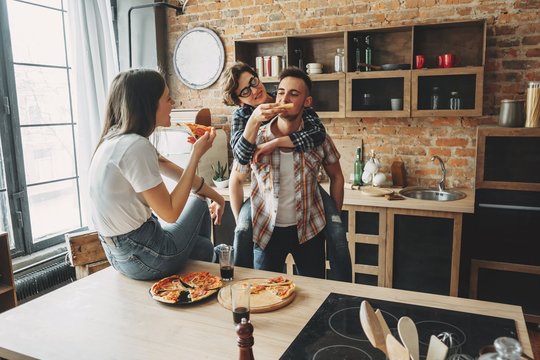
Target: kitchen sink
x=432, y=194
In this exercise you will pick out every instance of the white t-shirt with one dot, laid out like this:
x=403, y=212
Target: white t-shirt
x=122, y=168
x=286, y=211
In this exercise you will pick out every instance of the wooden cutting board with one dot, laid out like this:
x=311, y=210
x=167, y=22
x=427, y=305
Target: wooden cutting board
x=259, y=303
x=375, y=191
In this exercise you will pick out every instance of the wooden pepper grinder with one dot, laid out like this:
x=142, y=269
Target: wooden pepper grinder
x=245, y=339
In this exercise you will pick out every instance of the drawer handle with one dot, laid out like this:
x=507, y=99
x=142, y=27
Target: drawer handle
x=509, y=207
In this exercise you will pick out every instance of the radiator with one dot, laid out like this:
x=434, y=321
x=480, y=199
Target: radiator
x=43, y=280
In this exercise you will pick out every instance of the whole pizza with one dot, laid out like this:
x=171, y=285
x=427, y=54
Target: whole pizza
x=266, y=294
x=186, y=288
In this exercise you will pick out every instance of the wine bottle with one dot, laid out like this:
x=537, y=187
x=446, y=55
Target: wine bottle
x=358, y=166
x=368, y=53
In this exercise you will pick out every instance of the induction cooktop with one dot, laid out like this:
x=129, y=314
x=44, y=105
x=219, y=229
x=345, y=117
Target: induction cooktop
x=335, y=332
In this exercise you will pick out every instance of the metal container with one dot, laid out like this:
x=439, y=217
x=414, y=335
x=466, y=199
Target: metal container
x=511, y=114
x=276, y=65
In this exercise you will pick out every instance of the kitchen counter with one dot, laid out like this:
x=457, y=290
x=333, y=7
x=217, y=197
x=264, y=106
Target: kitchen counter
x=109, y=316
x=356, y=197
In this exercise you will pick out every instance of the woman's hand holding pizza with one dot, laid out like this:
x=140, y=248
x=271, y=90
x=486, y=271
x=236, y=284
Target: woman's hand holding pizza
x=204, y=142
x=265, y=112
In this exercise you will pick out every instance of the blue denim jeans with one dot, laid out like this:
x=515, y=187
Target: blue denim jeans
x=308, y=257
x=154, y=250
x=335, y=234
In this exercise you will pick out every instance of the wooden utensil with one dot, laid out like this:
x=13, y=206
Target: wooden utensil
x=409, y=336
x=437, y=350
x=396, y=351
x=382, y=322
x=372, y=327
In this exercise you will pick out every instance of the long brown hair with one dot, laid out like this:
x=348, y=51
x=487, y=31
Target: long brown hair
x=132, y=103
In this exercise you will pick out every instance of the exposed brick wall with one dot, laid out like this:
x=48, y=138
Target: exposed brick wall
x=513, y=58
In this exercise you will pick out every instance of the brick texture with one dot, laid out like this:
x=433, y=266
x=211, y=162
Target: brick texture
x=512, y=59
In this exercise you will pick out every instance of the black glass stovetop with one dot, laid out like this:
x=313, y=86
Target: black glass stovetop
x=335, y=332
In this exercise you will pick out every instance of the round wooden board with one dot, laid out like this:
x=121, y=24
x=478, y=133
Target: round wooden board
x=375, y=191
x=224, y=298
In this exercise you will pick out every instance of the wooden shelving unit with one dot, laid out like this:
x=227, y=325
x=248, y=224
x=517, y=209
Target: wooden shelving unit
x=8, y=297
x=341, y=94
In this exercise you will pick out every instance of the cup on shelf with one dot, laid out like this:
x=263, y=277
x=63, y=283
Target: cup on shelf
x=396, y=104
x=314, y=68
x=447, y=60
x=419, y=61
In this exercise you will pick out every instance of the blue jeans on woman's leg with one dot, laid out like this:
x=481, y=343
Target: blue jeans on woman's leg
x=243, y=237
x=154, y=251
x=337, y=246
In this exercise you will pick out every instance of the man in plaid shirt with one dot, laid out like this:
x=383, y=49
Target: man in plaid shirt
x=286, y=206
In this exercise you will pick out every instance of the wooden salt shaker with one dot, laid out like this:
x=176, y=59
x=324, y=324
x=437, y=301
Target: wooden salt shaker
x=245, y=339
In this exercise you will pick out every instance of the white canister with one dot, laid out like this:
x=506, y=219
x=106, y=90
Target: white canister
x=259, y=66
x=276, y=65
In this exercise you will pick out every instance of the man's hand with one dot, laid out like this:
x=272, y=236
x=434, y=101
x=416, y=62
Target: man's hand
x=264, y=149
x=216, y=212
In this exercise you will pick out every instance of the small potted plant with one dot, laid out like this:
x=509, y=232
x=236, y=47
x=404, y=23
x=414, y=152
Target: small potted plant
x=221, y=180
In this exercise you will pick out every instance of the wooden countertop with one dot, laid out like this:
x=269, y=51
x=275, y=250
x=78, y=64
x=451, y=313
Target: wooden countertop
x=356, y=197
x=108, y=316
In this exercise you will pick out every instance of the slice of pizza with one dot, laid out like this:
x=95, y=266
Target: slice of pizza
x=168, y=289
x=196, y=131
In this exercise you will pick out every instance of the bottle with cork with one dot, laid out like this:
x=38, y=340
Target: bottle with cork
x=358, y=166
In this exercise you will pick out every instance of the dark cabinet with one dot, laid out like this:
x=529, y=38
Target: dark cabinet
x=423, y=251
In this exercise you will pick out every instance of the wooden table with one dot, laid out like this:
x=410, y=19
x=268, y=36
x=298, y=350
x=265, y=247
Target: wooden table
x=108, y=316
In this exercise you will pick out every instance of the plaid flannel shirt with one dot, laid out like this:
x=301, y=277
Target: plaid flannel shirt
x=313, y=134
x=265, y=185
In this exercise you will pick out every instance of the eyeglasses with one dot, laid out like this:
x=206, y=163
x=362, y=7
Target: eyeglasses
x=253, y=82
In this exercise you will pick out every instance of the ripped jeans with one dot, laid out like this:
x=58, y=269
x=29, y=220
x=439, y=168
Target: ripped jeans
x=337, y=246
x=154, y=250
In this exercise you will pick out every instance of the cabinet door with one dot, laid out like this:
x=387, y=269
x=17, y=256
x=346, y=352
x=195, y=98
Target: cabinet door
x=366, y=233
x=467, y=81
x=370, y=93
x=423, y=251
x=328, y=94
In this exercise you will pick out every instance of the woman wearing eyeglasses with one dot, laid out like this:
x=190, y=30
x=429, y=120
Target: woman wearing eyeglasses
x=242, y=87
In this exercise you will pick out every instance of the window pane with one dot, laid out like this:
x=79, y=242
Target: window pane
x=48, y=153
x=42, y=95
x=40, y=43
x=51, y=3
x=54, y=208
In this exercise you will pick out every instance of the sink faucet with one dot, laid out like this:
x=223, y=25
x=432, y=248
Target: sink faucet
x=443, y=169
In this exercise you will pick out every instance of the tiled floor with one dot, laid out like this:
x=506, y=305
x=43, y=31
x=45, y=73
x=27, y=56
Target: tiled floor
x=534, y=336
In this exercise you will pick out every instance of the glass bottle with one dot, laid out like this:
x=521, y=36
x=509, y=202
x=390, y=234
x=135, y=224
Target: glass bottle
x=435, y=100
x=358, y=166
x=339, y=60
x=358, y=57
x=455, y=101
x=506, y=348
x=368, y=53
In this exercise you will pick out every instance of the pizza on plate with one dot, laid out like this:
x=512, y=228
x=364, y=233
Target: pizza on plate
x=187, y=288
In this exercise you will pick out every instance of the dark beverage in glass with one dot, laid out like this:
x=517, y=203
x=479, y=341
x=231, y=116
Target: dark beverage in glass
x=240, y=313
x=227, y=272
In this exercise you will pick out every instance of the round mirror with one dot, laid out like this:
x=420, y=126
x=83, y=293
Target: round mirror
x=199, y=58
